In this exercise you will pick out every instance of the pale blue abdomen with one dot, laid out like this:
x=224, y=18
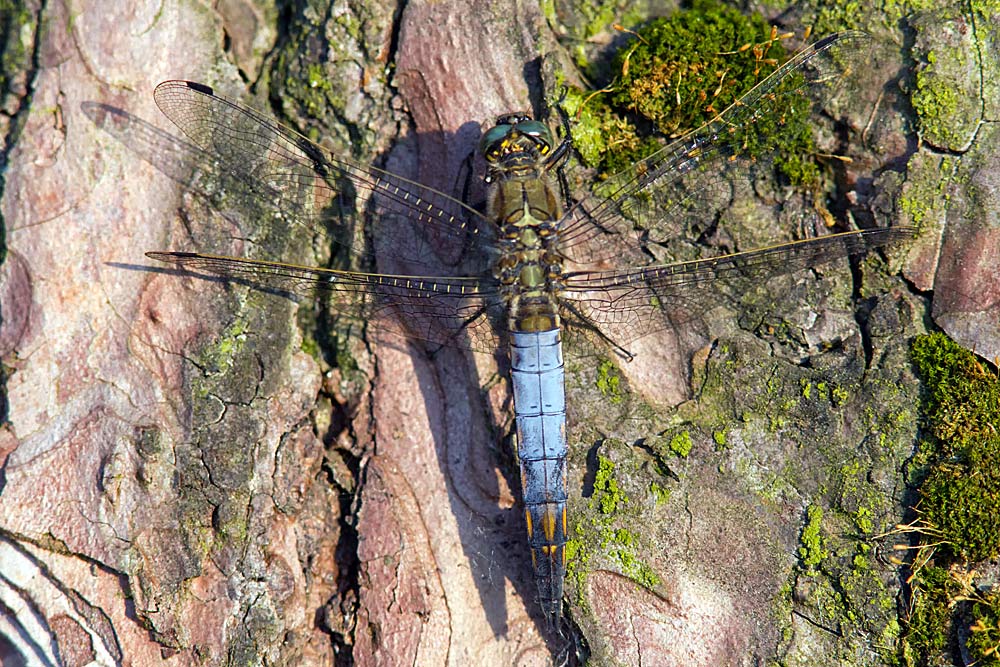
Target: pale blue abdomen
x=540, y=411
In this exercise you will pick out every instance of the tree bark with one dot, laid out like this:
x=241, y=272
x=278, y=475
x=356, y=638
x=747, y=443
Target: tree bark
x=183, y=483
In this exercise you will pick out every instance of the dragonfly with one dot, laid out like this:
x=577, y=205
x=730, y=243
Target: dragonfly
x=532, y=268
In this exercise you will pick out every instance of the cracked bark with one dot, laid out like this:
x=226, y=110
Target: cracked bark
x=165, y=499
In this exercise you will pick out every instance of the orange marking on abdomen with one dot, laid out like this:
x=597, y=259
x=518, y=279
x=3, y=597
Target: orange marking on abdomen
x=549, y=523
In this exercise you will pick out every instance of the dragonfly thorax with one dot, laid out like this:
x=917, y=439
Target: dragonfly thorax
x=527, y=211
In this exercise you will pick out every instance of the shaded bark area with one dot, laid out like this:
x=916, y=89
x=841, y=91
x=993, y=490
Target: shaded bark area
x=183, y=483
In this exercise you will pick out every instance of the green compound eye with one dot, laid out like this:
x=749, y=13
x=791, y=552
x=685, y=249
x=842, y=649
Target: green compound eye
x=535, y=128
x=539, y=133
x=494, y=135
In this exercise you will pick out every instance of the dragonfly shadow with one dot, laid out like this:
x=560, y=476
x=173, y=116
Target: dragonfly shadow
x=473, y=452
x=207, y=277
x=466, y=434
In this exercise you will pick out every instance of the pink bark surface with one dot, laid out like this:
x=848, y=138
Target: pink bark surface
x=167, y=494
x=100, y=531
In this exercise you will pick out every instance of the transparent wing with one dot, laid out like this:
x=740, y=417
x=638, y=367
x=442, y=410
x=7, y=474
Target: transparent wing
x=270, y=168
x=629, y=304
x=452, y=311
x=252, y=170
x=693, y=179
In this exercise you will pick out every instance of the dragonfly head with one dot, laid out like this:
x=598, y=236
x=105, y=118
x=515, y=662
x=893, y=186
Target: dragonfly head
x=516, y=140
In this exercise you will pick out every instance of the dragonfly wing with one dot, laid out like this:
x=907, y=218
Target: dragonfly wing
x=292, y=180
x=628, y=304
x=456, y=312
x=691, y=180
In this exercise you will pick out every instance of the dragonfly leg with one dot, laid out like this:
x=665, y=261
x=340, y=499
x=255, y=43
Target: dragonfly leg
x=466, y=176
x=557, y=160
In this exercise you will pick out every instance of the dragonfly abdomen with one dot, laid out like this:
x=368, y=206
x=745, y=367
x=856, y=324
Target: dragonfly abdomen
x=539, y=391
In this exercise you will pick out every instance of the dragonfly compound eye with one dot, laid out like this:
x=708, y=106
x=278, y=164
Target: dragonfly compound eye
x=539, y=133
x=489, y=145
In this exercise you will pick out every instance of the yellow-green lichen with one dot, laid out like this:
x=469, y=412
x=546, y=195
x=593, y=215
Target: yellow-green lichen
x=936, y=103
x=838, y=396
x=600, y=534
x=217, y=359
x=607, y=495
x=719, y=437
x=636, y=570
x=830, y=17
x=680, y=444
x=608, y=381
x=577, y=562
x=924, y=197
x=660, y=492
x=811, y=551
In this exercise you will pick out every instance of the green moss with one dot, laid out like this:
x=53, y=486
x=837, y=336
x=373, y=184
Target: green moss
x=603, y=137
x=945, y=608
x=929, y=623
x=593, y=17
x=964, y=508
x=984, y=631
x=680, y=72
x=961, y=490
